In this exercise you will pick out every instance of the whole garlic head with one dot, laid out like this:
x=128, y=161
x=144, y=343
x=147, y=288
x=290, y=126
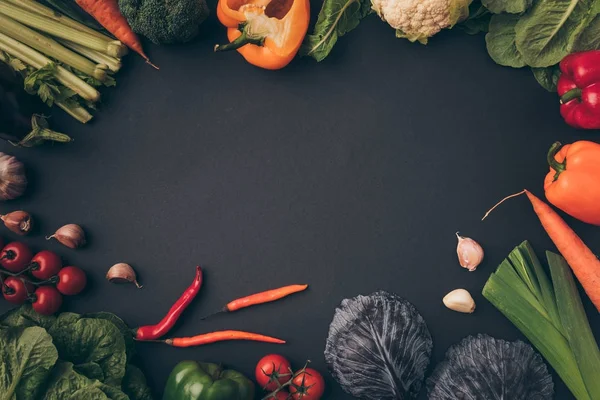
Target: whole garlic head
x=13, y=181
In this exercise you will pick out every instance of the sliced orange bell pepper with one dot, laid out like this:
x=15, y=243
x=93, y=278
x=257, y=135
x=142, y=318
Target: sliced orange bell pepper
x=267, y=33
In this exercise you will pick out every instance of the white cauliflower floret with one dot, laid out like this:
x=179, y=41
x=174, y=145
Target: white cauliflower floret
x=421, y=19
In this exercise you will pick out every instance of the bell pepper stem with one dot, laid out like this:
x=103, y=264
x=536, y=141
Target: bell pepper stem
x=559, y=167
x=570, y=95
x=240, y=41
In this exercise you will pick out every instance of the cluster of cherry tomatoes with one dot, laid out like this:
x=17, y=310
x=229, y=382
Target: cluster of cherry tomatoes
x=276, y=376
x=40, y=278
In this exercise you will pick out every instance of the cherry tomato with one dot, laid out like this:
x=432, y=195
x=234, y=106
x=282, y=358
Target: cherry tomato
x=15, y=257
x=15, y=290
x=47, y=300
x=71, y=281
x=283, y=395
x=271, y=369
x=308, y=385
x=45, y=265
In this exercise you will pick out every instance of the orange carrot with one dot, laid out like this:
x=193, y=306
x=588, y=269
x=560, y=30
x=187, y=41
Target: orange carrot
x=583, y=262
x=220, y=336
x=264, y=297
x=107, y=13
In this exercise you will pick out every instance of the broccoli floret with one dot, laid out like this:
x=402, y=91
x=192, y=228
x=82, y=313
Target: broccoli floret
x=163, y=22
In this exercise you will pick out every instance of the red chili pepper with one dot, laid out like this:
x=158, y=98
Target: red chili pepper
x=579, y=89
x=220, y=336
x=152, y=332
x=263, y=297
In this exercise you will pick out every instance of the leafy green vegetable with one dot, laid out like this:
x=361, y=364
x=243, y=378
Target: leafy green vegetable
x=547, y=77
x=27, y=356
x=507, y=6
x=91, y=340
x=336, y=18
x=550, y=315
x=590, y=37
x=548, y=31
x=68, y=357
x=500, y=41
x=134, y=384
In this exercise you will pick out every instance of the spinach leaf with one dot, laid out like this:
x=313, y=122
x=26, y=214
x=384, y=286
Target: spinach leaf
x=25, y=316
x=500, y=41
x=590, y=37
x=91, y=370
x=66, y=384
x=507, y=6
x=87, y=340
x=478, y=20
x=548, y=31
x=26, y=357
x=337, y=17
x=134, y=384
x=547, y=77
x=119, y=323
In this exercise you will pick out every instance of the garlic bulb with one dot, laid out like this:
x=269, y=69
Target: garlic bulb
x=470, y=253
x=460, y=300
x=12, y=177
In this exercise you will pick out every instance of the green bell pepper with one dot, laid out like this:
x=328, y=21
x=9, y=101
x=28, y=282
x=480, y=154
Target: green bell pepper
x=190, y=380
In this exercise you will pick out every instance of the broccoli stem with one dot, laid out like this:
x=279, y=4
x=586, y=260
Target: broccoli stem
x=41, y=9
x=38, y=60
x=112, y=48
x=51, y=48
x=114, y=64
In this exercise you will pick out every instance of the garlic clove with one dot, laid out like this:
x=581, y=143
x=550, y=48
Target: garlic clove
x=19, y=222
x=70, y=235
x=122, y=273
x=470, y=253
x=459, y=300
x=13, y=181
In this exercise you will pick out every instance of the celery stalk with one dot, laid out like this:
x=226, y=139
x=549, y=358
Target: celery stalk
x=41, y=9
x=114, y=64
x=78, y=112
x=575, y=323
x=113, y=48
x=38, y=60
x=51, y=48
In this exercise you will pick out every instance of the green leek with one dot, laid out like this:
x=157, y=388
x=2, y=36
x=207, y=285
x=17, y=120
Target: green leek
x=34, y=20
x=550, y=314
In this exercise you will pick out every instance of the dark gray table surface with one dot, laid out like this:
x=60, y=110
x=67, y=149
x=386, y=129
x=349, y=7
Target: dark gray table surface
x=351, y=175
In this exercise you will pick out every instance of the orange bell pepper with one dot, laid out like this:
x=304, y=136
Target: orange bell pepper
x=267, y=33
x=572, y=183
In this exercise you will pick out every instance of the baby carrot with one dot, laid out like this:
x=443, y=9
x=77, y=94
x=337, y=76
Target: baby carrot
x=220, y=336
x=107, y=13
x=264, y=297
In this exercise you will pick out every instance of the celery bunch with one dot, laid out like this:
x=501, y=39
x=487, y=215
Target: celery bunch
x=550, y=314
x=60, y=59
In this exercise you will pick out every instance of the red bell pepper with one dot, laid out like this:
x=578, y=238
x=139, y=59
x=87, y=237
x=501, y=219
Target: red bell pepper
x=579, y=89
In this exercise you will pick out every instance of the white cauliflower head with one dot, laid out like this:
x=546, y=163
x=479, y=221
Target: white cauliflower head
x=421, y=19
